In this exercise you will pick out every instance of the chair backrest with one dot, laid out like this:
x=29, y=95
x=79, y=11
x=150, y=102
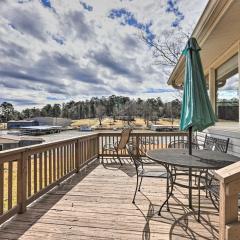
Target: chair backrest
x=182, y=144
x=125, y=135
x=134, y=154
x=216, y=144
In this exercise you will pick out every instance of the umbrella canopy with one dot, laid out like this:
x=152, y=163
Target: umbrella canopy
x=196, y=112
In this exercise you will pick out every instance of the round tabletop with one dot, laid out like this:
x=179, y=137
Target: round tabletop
x=201, y=159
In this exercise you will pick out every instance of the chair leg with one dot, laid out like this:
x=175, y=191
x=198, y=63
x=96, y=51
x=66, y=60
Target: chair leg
x=133, y=201
x=139, y=188
x=119, y=158
x=199, y=198
x=214, y=201
x=167, y=193
x=102, y=156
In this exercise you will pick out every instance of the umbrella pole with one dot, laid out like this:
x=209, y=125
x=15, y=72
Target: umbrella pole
x=190, y=141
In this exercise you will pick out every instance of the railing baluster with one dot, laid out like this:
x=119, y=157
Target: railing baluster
x=64, y=160
x=58, y=162
x=45, y=168
x=1, y=188
x=67, y=158
x=54, y=164
x=29, y=173
x=50, y=166
x=35, y=173
x=71, y=157
x=40, y=171
x=77, y=155
x=10, y=178
x=22, y=182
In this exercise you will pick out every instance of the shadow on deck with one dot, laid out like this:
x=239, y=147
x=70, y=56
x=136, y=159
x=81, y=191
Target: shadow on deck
x=96, y=204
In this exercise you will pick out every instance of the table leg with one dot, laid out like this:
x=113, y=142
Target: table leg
x=199, y=198
x=169, y=193
x=190, y=188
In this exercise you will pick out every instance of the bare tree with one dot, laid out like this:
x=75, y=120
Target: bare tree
x=130, y=110
x=100, y=112
x=168, y=47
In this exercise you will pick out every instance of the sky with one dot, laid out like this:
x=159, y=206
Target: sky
x=54, y=51
x=230, y=89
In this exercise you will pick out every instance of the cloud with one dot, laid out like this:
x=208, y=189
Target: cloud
x=27, y=22
x=53, y=51
x=12, y=50
x=59, y=39
x=105, y=59
x=159, y=90
x=128, y=18
x=77, y=23
x=19, y=101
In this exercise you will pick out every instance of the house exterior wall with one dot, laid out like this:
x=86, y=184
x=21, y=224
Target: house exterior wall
x=6, y=146
x=53, y=121
x=18, y=124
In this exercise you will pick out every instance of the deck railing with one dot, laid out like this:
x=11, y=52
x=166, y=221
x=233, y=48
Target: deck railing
x=28, y=173
x=229, y=178
x=149, y=140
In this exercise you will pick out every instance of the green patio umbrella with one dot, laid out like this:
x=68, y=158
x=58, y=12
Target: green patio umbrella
x=196, y=113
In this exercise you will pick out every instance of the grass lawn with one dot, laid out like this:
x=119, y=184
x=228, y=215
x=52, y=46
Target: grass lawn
x=109, y=123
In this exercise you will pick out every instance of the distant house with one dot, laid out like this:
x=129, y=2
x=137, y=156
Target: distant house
x=12, y=141
x=85, y=128
x=164, y=128
x=40, y=130
x=52, y=121
x=125, y=118
x=12, y=124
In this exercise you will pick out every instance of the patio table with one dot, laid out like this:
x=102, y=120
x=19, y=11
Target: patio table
x=200, y=160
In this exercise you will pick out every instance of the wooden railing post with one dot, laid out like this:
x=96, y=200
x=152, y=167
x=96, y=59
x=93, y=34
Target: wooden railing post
x=98, y=147
x=22, y=182
x=229, y=177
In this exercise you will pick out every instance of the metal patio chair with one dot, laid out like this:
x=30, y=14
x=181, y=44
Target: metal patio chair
x=210, y=183
x=180, y=171
x=216, y=144
x=141, y=171
x=119, y=145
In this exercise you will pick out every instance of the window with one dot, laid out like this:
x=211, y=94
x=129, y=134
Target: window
x=227, y=104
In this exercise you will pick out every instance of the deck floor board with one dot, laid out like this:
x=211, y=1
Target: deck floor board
x=97, y=204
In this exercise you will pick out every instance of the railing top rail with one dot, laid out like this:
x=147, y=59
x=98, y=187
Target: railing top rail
x=44, y=145
x=117, y=133
x=229, y=173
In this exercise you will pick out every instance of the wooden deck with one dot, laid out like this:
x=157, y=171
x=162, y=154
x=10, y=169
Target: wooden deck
x=96, y=203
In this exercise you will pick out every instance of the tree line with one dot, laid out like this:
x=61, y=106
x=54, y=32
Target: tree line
x=117, y=107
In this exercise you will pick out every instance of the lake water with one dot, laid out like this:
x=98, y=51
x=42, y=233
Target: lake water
x=63, y=135
x=55, y=136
